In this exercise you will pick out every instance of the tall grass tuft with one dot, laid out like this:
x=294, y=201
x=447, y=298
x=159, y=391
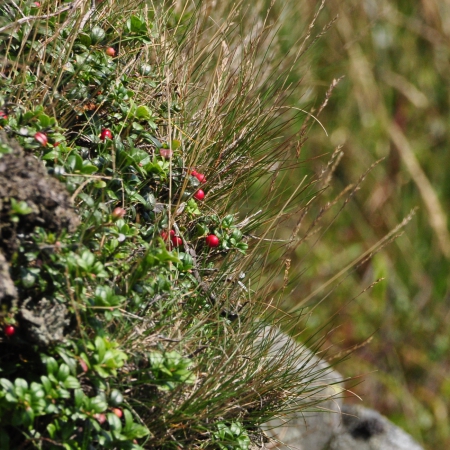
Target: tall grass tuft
x=137, y=107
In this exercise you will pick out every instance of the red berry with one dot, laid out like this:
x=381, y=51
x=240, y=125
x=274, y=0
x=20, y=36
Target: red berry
x=166, y=235
x=199, y=195
x=110, y=51
x=212, y=240
x=100, y=417
x=118, y=213
x=106, y=134
x=9, y=330
x=118, y=412
x=84, y=366
x=41, y=138
x=3, y=115
x=37, y=4
x=176, y=241
x=165, y=153
x=200, y=177
x=194, y=173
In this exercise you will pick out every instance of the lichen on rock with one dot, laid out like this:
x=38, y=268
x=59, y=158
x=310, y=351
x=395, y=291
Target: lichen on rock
x=25, y=179
x=8, y=292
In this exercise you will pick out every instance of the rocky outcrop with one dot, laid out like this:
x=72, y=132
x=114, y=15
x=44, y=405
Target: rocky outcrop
x=331, y=425
x=8, y=292
x=24, y=180
x=365, y=429
x=30, y=198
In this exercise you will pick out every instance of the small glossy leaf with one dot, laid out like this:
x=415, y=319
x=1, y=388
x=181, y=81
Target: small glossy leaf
x=143, y=112
x=114, y=422
x=63, y=372
x=101, y=348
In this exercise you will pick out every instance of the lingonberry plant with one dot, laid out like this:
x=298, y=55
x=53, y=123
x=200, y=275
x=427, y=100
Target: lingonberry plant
x=117, y=330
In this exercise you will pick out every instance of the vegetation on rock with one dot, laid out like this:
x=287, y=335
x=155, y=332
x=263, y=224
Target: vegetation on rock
x=134, y=310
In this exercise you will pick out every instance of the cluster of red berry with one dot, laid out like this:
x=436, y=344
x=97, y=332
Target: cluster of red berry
x=101, y=417
x=200, y=194
x=43, y=139
x=211, y=240
x=175, y=240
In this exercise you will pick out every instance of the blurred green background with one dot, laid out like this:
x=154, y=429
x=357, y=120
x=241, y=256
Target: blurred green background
x=392, y=103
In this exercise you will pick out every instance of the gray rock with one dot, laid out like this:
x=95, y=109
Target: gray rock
x=45, y=321
x=365, y=429
x=332, y=425
x=8, y=292
x=312, y=427
x=24, y=179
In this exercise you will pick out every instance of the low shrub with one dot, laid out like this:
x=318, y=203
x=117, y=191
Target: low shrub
x=131, y=322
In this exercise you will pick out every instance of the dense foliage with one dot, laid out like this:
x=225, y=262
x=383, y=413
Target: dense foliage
x=133, y=322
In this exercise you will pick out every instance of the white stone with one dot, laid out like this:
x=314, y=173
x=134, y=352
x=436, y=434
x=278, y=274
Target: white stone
x=332, y=426
x=365, y=429
x=311, y=427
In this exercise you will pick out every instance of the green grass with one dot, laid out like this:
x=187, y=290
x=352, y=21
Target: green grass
x=164, y=331
x=391, y=104
x=217, y=93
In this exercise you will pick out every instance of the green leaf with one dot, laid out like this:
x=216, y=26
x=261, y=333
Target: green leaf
x=20, y=207
x=51, y=428
x=37, y=390
x=135, y=24
x=139, y=431
x=98, y=404
x=46, y=383
x=100, y=184
x=100, y=347
x=116, y=397
x=97, y=34
x=112, y=194
x=89, y=169
x=85, y=39
x=236, y=234
x=88, y=258
x=63, y=372
x=164, y=255
x=74, y=163
x=20, y=383
x=143, y=112
x=45, y=120
x=137, y=126
x=51, y=408
x=69, y=360
x=71, y=383
x=53, y=154
x=6, y=384
x=79, y=397
x=114, y=422
x=102, y=372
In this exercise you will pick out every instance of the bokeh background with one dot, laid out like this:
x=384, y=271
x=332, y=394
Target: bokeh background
x=392, y=103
